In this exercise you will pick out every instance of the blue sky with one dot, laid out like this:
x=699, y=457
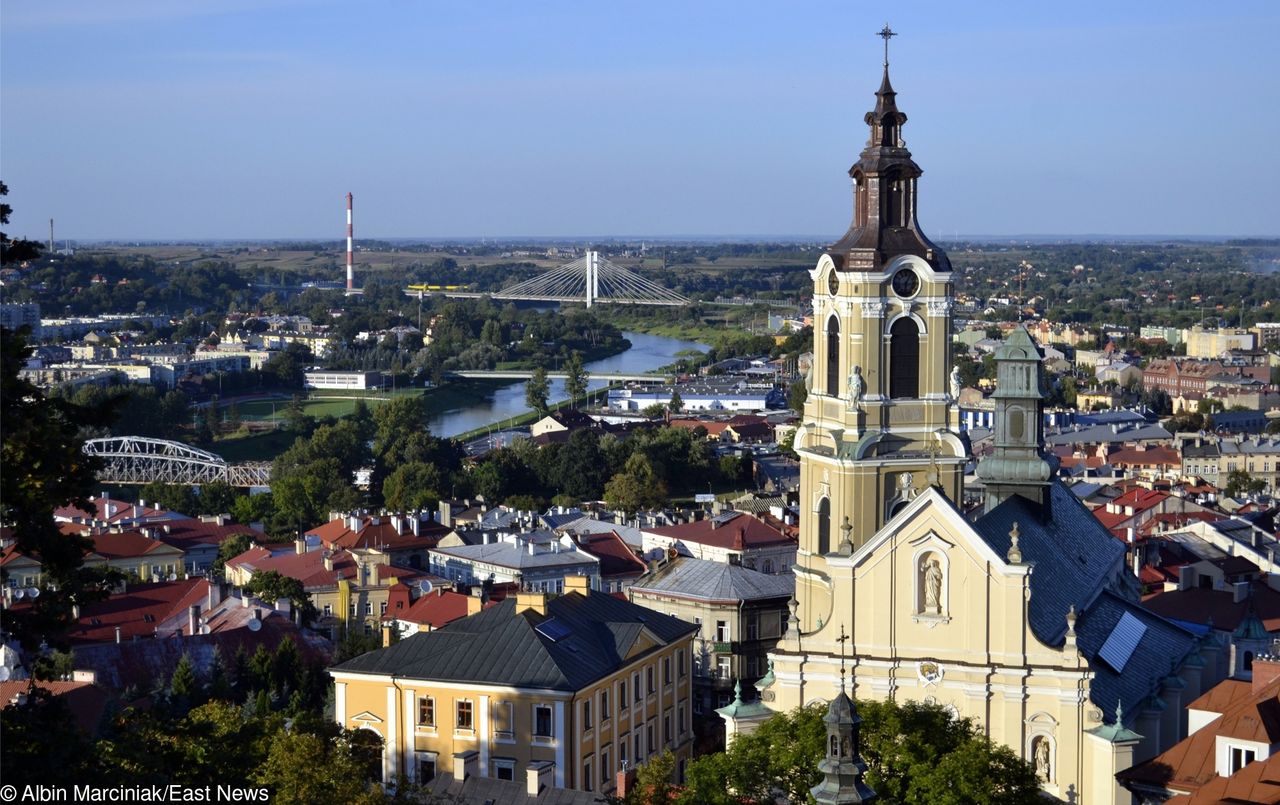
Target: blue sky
x=253, y=118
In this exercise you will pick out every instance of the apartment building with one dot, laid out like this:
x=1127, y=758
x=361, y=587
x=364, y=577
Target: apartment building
x=562, y=691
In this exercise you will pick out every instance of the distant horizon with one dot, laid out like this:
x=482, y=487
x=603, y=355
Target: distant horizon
x=229, y=119
x=656, y=240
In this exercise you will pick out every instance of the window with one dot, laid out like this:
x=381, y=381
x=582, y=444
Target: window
x=542, y=721
x=648, y=672
x=623, y=704
x=1240, y=758
x=904, y=359
x=586, y=775
x=426, y=769
x=724, y=666
x=666, y=670
x=465, y=721
x=353, y=609
x=604, y=705
x=368, y=607
x=605, y=769
x=684, y=719
x=384, y=607
x=426, y=711
x=833, y=356
x=753, y=628
x=504, y=720
x=680, y=665
x=824, y=526
x=722, y=631
x=503, y=768
x=586, y=714
x=328, y=610
x=653, y=746
x=635, y=686
x=639, y=746
x=666, y=728
x=622, y=751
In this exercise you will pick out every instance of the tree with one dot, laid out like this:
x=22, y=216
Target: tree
x=677, y=402
x=576, y=376
x=537, y=390
x=636, y=487
x=271, y=586
x=915, y=752
x=1241, y=483
x=42, y=467
x=229, y=548
x=796, y=397
x=14, y=251
x=184, y=687
x=412, y=486
x=653, y=782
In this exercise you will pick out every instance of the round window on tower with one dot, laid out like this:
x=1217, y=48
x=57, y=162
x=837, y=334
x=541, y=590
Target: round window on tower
x=833, y=282
x=906, y=283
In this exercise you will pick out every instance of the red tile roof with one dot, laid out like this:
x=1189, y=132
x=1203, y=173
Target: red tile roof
x=435, y=609
x=128, y=545
x=382, y=534
x=110, y=510
x=1197, y=605
x=616, y=557
x=1190, y=764
x=85, y=699
x=309, y=568
x=1258, y=782
x=737, y=533
x=190, y=533
x=137, y=611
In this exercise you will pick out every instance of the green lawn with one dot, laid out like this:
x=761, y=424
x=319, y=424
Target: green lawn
x=258, y=447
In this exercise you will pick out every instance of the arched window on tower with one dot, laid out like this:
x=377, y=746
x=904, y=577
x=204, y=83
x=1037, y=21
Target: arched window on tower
x=904, y=359
x=833, y=356
x=824, y=526
x=893, y=204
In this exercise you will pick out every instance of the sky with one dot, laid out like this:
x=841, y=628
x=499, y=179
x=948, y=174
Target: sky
x=252, y=119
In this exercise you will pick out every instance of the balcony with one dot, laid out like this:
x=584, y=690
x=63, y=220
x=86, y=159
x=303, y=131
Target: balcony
x=724, y=647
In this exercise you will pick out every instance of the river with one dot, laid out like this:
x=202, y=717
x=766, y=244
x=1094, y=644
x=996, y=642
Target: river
x=647, y=352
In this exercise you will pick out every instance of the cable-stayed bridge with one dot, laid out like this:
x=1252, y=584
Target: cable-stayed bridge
x=590, y=279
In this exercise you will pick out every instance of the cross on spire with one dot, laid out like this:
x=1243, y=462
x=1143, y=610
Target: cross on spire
x=841, y=640
x=884, y=33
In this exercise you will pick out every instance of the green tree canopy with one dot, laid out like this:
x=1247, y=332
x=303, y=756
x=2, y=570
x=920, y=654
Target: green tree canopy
x=537, y=390
x=915, y=753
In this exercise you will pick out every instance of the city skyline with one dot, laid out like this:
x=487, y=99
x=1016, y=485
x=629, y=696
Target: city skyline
x=253, y=120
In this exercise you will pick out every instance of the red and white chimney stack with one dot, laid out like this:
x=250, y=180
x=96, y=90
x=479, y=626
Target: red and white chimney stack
x=351, y=263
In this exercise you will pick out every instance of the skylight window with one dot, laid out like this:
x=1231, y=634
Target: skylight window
x=553, y=629
x=1122, y=642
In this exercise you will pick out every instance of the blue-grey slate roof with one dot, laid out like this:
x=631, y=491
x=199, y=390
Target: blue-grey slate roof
x=499, y=646
x=1163, y=648
x=1074, y=555
x=1075, y=560
x=715, y=581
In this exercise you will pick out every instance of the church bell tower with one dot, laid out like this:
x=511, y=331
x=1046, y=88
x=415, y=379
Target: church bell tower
x=881, y=422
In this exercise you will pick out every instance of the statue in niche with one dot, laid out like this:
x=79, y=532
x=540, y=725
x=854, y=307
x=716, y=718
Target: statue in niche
x=856, y=387
x=931, y=570
x=1040, y=755
x=955, y=382
x=907, y=486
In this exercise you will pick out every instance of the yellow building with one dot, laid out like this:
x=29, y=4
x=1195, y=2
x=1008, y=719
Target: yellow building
x=564, y=691
x=1020, y=615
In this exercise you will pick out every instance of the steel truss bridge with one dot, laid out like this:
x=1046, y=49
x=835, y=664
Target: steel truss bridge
x=141, y=460
x=526, y=374
x=591, y=279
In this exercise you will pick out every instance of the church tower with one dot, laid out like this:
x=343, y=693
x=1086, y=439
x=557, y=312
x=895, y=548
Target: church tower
x=880, y=423
x=1017, y=465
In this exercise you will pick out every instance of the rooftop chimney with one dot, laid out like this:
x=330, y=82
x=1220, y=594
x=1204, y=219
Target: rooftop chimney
x=193, y=620
x=578, y=583
x=531, y=600
x=300, y=546
x=538, y=776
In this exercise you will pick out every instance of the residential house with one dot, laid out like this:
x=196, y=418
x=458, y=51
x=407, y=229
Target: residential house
x=730, y=537
x=1227, y=757
x=560, y=691
x=537, y=560
x=348, y=588
x=405, y=537
x=741, y=614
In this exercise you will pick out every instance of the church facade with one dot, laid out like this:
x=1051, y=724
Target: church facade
x=1021, y=614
